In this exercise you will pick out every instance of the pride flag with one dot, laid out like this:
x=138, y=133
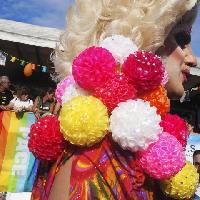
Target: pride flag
x=18, y=166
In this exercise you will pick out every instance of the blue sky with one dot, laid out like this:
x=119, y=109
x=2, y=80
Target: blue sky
x=49, y=13
x=196, y=35
x=52, y=13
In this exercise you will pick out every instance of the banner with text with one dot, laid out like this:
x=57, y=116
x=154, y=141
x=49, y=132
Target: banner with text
x=18, y=166
x=193, y=144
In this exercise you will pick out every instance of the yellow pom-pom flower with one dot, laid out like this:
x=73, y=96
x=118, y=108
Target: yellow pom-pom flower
x=183, y=184
x=84, y=120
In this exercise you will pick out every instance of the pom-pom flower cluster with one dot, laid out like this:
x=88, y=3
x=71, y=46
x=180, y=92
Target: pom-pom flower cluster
x=67, y=89
x=93, y=67
x=183, y=184
x=84, y=120
x=120, y=87
x=132, y=129
x=158, y=98
x=62, y=86
x=176, y=126
x=116, y=88
x=46, y=141
x=164, y=158
x=145, y=71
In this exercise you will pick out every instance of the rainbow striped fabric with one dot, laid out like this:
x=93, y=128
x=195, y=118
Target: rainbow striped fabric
x=18, y=166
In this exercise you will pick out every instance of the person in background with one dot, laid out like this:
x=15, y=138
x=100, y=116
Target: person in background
x=190, y=128
x=196, y=160
x=57, y=108
x=13, y=91
x=21, y=103
x=44, y=104
x=5, y=94
x=196, y=163
x=2, y=195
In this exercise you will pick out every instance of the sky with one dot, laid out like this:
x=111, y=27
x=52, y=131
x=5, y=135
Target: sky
x=196, y=35
x=51, y=13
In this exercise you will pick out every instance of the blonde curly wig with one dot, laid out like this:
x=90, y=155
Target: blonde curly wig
x=146, y=22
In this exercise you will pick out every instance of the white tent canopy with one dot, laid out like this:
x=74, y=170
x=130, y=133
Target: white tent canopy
x=28, y=34
x=35, y=43
x=31, y=44
x=28, y=42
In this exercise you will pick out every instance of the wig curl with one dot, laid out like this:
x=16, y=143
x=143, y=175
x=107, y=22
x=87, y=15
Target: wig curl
x=146, y=22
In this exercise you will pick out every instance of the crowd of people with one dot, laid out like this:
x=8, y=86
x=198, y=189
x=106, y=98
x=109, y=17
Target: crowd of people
x=20, y=100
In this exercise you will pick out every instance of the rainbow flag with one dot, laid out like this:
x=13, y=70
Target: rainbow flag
x=18, y=166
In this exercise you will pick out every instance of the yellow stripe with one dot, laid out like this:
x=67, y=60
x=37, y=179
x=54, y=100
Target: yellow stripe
x=10, y=151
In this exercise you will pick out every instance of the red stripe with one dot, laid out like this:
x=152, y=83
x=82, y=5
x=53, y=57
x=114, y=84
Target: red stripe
x=4, y=125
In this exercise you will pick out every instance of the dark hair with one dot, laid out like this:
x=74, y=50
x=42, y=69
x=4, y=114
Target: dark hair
x=196, y=152
x=50, y=90
x=22, y=91
x=183, y=38
x=13, y=89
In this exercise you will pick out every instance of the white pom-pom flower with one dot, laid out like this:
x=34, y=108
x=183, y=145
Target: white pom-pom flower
x=135, y=125
x=120, y=47
x=73, y=90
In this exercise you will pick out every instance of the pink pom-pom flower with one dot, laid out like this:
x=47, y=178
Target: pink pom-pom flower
x=93, y=67
x=62, y=86
x=145, y=71
x=176, y=126
x=164, y=158
x=114, y=91
x=46, y=142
